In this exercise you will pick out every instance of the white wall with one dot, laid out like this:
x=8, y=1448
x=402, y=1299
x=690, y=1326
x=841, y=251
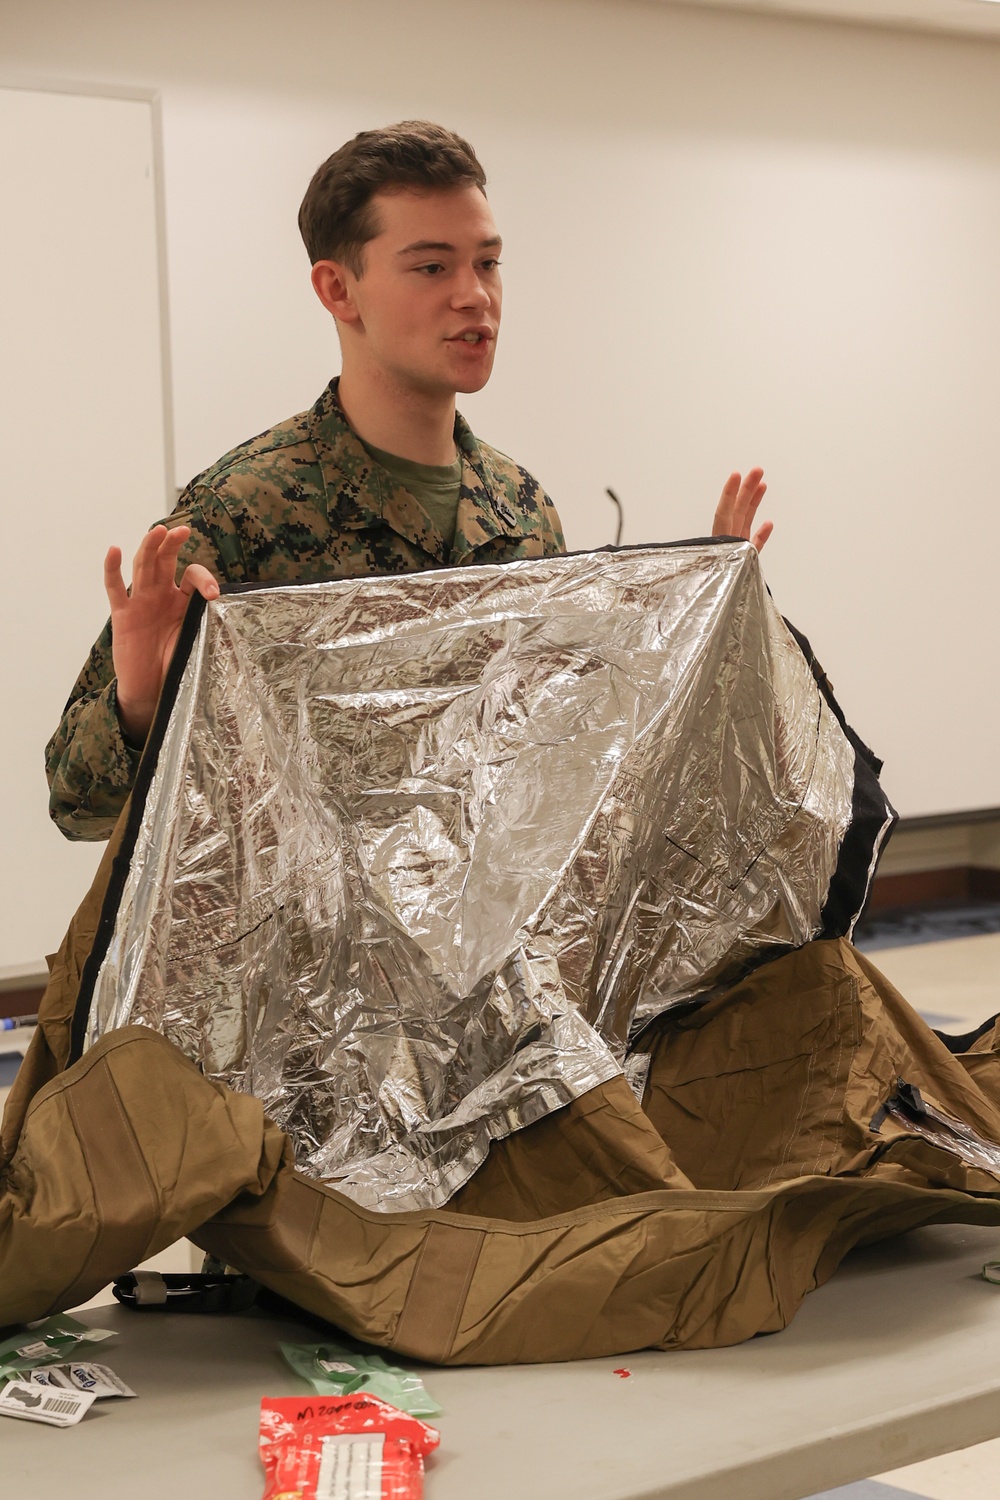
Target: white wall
x=731, y=239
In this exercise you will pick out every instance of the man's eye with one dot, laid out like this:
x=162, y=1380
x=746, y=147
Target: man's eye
x=433, y=268
x=492, y=265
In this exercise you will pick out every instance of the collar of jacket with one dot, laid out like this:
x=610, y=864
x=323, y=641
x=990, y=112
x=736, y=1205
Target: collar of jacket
x=360, y=495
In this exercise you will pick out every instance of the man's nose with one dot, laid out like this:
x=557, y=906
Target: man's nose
x=470, y=292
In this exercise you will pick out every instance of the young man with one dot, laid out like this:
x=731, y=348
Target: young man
x=381, y=475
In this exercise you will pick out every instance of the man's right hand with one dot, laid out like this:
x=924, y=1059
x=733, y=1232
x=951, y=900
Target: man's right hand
x=146, y=622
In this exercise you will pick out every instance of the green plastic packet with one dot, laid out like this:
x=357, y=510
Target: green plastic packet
x=335, y=1370
x=48, y=1342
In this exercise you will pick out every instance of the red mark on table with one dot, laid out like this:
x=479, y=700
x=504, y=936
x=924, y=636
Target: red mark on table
x=623, y=1373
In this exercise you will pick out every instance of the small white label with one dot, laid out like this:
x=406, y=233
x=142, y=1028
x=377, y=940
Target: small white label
x=83, y=1376
x=25, y=1399
x=32, y=1351
x=350, y=1467
x=636, y=1072
x=336, y=1367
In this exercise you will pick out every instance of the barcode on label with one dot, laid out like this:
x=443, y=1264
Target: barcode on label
x=40, y=1403
x=350, y=1467
x=65, y=1406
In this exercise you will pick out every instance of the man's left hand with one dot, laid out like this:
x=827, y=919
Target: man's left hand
x=738, y=503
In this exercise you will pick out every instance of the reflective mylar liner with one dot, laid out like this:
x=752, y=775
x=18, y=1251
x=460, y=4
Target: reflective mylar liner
x=421, y=852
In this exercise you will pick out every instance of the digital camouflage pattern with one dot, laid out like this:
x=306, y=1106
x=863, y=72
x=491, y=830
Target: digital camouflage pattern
x=300, y=503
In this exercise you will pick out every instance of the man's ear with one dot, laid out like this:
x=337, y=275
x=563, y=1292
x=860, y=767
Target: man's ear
x=332, y=283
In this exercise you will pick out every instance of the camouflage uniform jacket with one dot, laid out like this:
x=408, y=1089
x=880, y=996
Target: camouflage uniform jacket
x=302, y=502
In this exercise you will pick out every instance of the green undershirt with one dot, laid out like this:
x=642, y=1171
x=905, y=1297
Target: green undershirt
x=435, y=486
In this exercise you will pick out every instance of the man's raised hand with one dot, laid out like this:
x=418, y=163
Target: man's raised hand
x=146, y=622
x=737, y=507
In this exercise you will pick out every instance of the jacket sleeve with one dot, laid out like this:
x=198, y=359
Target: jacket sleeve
x=89, y=765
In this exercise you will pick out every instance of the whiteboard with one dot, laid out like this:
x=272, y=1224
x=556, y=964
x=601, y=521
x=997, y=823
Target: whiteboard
x=83, y=434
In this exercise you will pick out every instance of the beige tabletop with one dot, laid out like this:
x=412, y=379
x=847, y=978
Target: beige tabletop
x=896, y=1359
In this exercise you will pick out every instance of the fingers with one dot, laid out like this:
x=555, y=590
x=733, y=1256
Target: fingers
x=751, y=493
x=144, y=562
x=762, y=533
x=738, y=505
x=722, y=524
x=156, y=560
x=155, y=568
x=198, y=580
x=114, y=583
x=155, y=565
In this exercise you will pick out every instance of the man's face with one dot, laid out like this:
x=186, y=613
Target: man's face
x=428, y=301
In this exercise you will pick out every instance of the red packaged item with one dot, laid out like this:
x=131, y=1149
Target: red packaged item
x=342, y=1448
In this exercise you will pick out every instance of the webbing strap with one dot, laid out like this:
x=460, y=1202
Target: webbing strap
x=437, y=1292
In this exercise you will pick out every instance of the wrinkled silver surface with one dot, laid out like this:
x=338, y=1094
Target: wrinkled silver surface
x=421, y=851
x=917, y=1116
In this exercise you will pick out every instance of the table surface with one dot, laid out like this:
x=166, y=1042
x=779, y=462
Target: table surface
x=896, y=1359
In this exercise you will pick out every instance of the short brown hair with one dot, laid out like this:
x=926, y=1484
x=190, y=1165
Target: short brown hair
x=336, y=219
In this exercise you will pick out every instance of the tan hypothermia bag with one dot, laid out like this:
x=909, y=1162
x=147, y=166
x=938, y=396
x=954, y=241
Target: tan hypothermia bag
x=581, y=1235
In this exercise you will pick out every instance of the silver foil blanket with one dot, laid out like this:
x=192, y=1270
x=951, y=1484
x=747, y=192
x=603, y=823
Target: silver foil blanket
x=421, y=852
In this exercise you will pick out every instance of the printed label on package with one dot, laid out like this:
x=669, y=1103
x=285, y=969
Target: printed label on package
x=22, y=1398
x=351, y=1467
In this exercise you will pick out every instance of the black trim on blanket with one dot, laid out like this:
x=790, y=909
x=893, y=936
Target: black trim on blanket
x=872, y=820
x=120, y=866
